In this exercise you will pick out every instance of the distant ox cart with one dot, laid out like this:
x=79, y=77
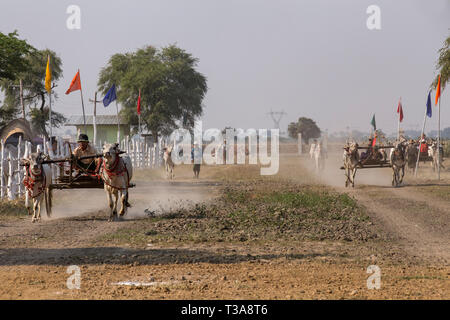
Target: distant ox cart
x=372, y=157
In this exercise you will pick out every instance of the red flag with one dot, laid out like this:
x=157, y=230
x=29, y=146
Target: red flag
x=438, y=90
x=400, y=110
x=139, y=103
x=75, y=84
x=374, y=140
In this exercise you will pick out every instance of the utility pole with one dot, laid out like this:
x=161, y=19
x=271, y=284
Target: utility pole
x=94, y=123
x=22, y=104
x=276, y=117
x=21, y=98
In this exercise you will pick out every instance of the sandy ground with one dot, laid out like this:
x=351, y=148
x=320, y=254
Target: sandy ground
x=414, y=261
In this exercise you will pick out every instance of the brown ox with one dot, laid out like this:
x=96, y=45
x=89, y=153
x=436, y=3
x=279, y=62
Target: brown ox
x=116, y=172
x=411, y=155
x=398, y=162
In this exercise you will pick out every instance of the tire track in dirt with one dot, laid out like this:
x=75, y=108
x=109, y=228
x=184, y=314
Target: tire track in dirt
x=417, y=237
x=419, y=222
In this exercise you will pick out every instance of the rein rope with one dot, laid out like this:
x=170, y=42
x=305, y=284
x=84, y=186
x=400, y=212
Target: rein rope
x=30, y=180
x=111, y=172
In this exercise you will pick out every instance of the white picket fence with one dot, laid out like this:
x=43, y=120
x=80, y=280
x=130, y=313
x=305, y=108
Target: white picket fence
x=142, y=155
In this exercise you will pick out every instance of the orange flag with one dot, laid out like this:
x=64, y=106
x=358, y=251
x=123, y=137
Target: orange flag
x=438, y=90
x=75, y=84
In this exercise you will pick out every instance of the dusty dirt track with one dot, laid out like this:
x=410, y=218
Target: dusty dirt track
x=145, y=257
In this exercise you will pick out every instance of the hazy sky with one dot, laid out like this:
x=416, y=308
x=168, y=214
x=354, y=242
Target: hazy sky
x=311, y=58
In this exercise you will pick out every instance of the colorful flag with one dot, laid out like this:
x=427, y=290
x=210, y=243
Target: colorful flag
x=75, y=84
x=373, y=123
x=438, y=90
x=110, y=96
x=400, y=110
x=139, y=103
x=48, y=76
x=374, y=139
x=429, y=112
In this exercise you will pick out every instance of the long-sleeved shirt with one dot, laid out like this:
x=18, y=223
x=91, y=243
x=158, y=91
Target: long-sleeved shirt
x=89, y=151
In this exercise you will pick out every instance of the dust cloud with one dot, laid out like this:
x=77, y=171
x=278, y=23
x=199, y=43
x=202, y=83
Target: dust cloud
x=147, y=198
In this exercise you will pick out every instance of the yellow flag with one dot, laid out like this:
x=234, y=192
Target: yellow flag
x=48, y=77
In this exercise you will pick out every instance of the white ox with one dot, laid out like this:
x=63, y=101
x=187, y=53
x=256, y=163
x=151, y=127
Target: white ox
x=116, y=172
x=351, y=161
x=433, y=152
x=37, y=182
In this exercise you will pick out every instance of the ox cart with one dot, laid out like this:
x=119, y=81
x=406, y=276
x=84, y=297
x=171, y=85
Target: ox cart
x=73, y=176
x=376, y=158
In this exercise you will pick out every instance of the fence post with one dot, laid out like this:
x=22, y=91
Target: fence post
x=45, y=145
x=300, y=147
x=2, y=170
x=19, y=171
x=11, y=185
x=25, y=155
x=155, y=145
x=134, y=152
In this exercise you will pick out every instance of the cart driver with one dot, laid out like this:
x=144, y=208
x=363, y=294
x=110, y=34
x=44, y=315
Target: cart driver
x=423, y=144
x=84, y=149
x=366, y=155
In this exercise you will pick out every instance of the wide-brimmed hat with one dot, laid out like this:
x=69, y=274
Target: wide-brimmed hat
x=83, y=138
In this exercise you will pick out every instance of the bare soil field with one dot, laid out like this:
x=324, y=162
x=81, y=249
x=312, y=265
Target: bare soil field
x=233, y=234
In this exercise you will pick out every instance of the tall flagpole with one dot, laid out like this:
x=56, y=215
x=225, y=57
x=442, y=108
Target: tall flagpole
x=49, y=97
x=398, y=129
x=118, y=123
x=82, y=104
x=94, y=120
x=50, y=111
x=439, y=137
x=420, y=145
x=139, y=115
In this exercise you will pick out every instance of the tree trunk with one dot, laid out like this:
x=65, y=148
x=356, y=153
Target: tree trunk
x=155, y=136
x=43, y=101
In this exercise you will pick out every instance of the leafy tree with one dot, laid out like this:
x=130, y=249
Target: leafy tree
x=307, y=127
x=33, y=90
x=443, y=64
x=293, y=130
x=13, y=53
x=172, y=90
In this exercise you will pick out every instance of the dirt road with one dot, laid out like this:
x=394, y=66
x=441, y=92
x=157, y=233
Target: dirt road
x=157, y=258
x=416, y=213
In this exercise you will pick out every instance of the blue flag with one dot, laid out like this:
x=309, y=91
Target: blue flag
x=429, y=112
x=110, y=96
